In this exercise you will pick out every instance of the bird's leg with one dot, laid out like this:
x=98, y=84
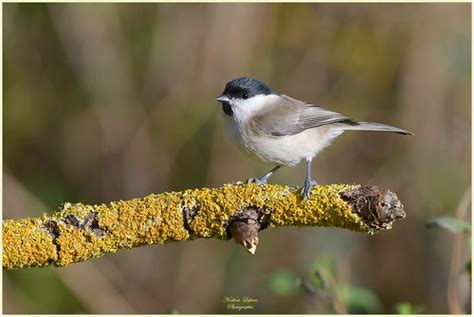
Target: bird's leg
x=308, y=183
x=263, y=180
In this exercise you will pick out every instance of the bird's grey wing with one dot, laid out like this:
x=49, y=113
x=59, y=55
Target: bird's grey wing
x=291, y=116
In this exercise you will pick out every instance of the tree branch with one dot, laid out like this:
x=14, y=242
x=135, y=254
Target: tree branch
x=78, y=232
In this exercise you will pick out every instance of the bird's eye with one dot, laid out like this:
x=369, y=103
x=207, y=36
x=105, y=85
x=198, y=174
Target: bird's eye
x=245, y=95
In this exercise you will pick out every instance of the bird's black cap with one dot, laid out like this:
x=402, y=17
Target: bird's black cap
x=246, y=87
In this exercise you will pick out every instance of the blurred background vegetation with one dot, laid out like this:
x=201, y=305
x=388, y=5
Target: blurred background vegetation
x=113, y=101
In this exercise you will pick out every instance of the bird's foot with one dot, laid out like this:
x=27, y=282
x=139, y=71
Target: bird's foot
x=258, y=181
x=306, y=190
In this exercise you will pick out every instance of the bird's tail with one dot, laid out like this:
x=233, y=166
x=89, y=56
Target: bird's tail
x=372, y=126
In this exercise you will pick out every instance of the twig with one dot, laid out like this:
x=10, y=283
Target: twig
x=78, y=232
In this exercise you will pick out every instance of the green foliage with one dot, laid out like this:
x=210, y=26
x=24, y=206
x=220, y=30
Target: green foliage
x=322, y=281
x=284, y=283
x=450, y=224
x=408, y=309
x=360, y=300
x=322, y=269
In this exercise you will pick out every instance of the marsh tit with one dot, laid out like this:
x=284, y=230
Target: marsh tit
x=281, y=130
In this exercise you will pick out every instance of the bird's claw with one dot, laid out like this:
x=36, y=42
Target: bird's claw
x=306, y=190
x=258, y=181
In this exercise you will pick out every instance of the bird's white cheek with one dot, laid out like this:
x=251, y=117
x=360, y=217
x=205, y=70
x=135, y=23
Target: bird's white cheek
x=241, y=111
x=245, y=108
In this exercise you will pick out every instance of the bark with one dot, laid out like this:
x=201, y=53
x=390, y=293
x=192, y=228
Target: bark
x=77, y=232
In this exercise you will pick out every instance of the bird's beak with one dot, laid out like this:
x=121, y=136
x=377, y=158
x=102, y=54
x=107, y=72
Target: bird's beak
x=223, y=98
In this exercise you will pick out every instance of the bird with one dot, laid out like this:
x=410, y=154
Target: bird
x=283, y=131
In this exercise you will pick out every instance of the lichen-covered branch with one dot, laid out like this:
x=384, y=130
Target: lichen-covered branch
x=78, y=232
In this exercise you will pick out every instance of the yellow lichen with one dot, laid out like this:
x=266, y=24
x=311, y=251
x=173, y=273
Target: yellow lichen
x=158, y=219
x=155, y=219
x=326, y=208
x=26, y=244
